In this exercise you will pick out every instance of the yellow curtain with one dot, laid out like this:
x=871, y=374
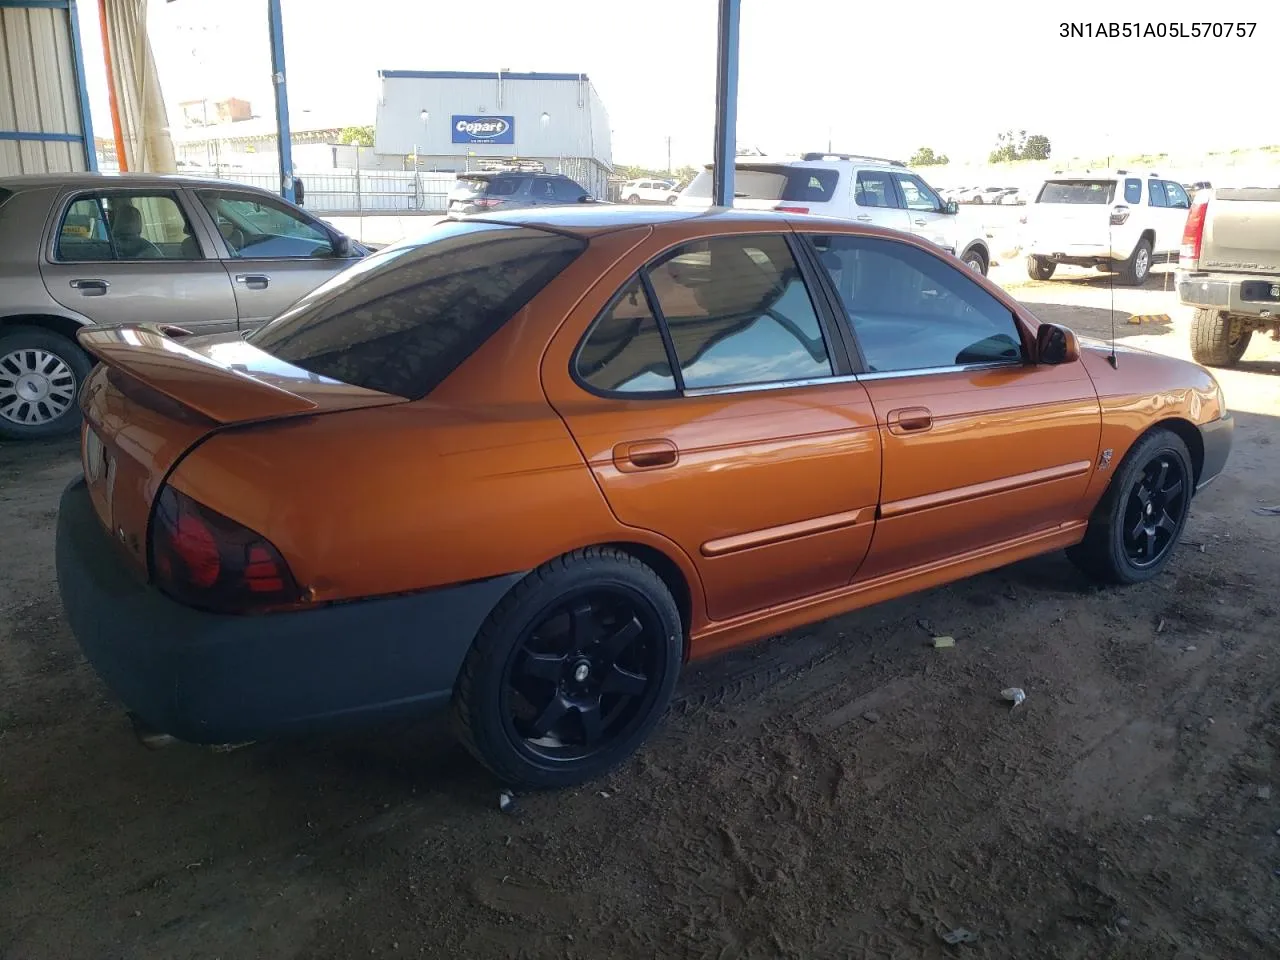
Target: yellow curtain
x=143, y=119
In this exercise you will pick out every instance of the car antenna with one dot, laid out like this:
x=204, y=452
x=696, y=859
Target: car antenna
x=1111, y=275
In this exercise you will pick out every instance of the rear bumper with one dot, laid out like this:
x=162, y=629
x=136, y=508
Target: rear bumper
x=1241, y=296
x=209, y=678
x=1216, y=436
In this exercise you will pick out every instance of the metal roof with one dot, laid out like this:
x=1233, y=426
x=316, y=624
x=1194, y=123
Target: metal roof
x=475, y=75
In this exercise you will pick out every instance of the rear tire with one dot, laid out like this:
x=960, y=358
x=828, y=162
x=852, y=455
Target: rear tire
x=41, y=373
x=1038, y=268
x=1134, y=271
x=634, y=198
x=1139, y=520
x=1217, y=340
x=571, y=671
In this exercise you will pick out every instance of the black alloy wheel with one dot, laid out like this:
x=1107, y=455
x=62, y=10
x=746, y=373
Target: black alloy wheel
x=571, y=670
x=1154, y=511
x=579, y=679
x=1136, y=525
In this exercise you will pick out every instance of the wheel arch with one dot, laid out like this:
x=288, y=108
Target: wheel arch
x=670, y=572
x=981, y=247
x=61, y=325
x=1189, y=433
x=1149, y=235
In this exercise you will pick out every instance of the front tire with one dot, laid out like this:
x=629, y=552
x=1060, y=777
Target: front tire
x=40, y=377
x=975, y=261
x=571, y=671
x=1134, y=271
x=1217, y=340
x=1038, y=268
x=1135, y=527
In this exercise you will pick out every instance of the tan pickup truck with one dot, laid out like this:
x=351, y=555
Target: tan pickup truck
x=1229, y=270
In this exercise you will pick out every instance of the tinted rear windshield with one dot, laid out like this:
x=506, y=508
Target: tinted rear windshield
x=402, y=319
x=484, y=187
x=1077, y=191
x=767, y=182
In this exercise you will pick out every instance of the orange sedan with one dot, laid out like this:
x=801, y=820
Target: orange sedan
x=529, y=465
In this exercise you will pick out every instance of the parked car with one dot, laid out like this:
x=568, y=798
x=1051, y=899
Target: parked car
x=980, y=195
x=512, y=190
x=1013, y=197
x=865, y=189
x=649, y=191
x=1229, y=270
x=528, y=465
x=84, y=248
x=1122, y=220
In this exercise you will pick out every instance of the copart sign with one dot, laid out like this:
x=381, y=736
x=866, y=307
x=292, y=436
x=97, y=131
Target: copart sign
x=468, y=129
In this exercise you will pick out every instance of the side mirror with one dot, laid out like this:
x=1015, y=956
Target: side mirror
x=1056, y=345
x=951, y=208
x=342, y=248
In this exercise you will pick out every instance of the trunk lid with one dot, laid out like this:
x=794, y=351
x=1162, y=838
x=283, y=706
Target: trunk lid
x=1242, y=231
x=1072, y=212
x=152, y=398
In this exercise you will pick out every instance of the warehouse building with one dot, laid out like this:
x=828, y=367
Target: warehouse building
x=454, y=121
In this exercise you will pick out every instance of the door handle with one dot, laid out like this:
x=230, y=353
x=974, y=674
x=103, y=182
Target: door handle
x=921, y=223
x=254, y=281
x=91, y=287
x=644, y=455
x=864, y=218
x=909, y=420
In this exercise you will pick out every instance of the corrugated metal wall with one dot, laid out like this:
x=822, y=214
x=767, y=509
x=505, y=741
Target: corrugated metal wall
x=41, y=99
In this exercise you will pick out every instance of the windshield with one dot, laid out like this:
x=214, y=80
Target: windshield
x=404, y=318
x=1077, y=191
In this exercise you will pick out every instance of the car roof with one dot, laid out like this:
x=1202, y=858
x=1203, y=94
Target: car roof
x=496, y=174
x=109, y=180
x=591, y=219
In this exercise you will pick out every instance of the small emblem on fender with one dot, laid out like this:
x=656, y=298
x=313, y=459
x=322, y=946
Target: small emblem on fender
x=1104, y=461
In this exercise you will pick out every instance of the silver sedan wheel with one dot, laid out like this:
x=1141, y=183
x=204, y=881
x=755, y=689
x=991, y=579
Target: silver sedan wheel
x=36, y=387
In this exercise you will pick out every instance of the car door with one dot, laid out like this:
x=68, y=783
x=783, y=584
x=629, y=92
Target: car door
x=273, y=253
x=877, y=201
x=925, y=212
x=711, y=397
x=135, y=255
x=980, y=447
x=1177, y=203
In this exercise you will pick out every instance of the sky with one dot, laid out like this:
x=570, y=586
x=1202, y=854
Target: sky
x=882, y=79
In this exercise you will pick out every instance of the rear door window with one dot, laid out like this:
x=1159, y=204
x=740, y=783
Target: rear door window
x=404, y=318
x=1099, y=192
x=738, y=312
x=1155, y=194
x=1133, y=191
x=875, y=189
x=624, y=352
x=126, y=226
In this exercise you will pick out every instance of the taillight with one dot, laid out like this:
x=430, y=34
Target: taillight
x=792, y=209
x=485, y=202
x=1119, y=215
x=1193, y=231
x=208, y=561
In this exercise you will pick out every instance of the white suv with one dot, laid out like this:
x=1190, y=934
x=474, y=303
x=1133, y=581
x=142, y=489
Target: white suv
x=648, y=191
x=1121, y=220
x=866, y=189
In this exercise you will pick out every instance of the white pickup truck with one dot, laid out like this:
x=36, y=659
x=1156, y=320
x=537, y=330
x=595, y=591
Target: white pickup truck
x=1229, y=270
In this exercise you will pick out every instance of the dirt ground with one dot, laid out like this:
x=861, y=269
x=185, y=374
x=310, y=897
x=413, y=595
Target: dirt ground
x=846, y=791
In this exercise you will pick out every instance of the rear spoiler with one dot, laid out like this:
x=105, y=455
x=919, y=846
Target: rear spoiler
x=196, y=381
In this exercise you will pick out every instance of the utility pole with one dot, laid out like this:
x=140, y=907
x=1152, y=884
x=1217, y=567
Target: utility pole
x=668, y=153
